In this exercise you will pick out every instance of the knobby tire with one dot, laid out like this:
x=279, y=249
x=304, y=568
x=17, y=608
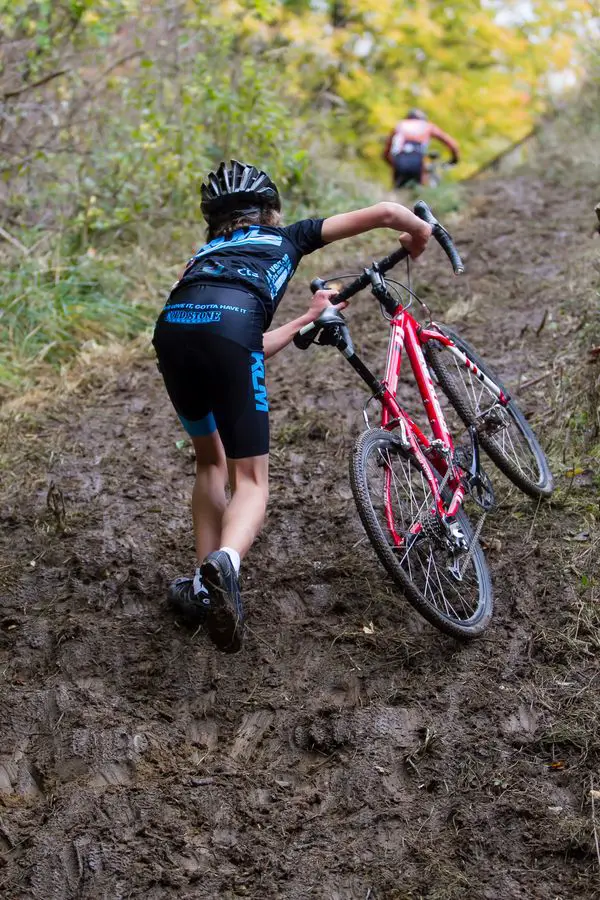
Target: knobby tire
x=452, y=378
x=414, y=575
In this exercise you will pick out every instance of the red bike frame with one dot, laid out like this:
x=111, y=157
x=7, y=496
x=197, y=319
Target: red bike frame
x=436, y=456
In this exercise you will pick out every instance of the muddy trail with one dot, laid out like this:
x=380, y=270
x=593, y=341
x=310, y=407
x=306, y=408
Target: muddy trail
x=350, y=751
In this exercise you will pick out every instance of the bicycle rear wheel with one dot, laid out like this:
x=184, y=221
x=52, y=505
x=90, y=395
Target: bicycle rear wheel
x=504, y=432
x=454, y=593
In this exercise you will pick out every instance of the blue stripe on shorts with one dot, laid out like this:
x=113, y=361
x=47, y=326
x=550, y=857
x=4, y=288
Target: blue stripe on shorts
x=201, y=427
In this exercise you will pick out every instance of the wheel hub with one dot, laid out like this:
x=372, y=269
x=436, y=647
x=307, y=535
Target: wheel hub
x=492, y=421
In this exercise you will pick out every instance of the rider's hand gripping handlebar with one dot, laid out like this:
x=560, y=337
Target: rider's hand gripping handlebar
x=308, y=333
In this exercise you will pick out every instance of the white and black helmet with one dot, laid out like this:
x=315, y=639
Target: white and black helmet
x=417, y=114
x=237, y=186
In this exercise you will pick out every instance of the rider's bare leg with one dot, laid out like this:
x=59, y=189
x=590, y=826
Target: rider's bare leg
x=245, y=513
x=208, y=496
x=217, y=523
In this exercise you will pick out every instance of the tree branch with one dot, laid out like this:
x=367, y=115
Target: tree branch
x=30, y=87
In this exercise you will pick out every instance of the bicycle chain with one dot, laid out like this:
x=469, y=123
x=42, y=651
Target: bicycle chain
x=431, y=522
x=444, y=480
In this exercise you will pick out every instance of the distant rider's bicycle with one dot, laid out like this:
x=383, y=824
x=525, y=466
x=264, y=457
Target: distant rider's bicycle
x=435, y=167
x=409, y=487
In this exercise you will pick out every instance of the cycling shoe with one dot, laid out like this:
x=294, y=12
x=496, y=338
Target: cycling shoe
x=225, y=614
x=192, y=607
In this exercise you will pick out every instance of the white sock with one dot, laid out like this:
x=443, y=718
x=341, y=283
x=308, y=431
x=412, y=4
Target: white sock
x=198, y=584
x=234, y=556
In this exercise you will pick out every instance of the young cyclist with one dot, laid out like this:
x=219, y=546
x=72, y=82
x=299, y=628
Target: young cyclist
x=211, y=340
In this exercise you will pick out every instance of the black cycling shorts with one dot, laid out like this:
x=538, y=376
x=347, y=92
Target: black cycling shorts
x=408, y=167
x=215, y=383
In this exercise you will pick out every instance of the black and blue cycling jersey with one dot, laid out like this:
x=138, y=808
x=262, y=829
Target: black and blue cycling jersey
x=209, y=336
x=259, y=261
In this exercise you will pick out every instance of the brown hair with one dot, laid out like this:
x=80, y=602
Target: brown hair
x=229, y=222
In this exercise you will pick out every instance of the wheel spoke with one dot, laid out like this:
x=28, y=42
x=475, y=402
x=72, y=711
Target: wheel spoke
x=508, y=438
x=395, y=478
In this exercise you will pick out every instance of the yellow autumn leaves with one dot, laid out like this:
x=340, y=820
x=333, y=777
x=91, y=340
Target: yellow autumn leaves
x=478, y=67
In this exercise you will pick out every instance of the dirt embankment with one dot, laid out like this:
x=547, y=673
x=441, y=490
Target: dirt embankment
x=328, y=760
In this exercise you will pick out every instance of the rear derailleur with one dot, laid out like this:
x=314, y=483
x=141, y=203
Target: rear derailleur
x=448, y=536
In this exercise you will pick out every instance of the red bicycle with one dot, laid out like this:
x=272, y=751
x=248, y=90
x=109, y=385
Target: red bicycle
x=409, y=487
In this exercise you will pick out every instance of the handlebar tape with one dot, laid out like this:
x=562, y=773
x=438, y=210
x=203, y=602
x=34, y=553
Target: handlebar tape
x=388, y=262
x=441, y=235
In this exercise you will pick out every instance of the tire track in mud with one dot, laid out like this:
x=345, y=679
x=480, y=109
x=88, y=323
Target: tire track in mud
x=327, y=760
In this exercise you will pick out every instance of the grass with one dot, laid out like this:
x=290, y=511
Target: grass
x=50, y=309
x=52, y=304
x=445, y=199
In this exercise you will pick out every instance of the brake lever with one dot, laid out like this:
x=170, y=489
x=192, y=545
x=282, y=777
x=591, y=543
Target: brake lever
x=318, y=284
x=309, y=333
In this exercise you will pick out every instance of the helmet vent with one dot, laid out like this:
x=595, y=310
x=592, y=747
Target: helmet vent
x=238, y=185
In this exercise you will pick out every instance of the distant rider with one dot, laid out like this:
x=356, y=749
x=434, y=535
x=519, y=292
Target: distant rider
x=406, y=147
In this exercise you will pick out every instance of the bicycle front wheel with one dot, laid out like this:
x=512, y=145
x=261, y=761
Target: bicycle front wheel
x=392, y=494
x=504, y=432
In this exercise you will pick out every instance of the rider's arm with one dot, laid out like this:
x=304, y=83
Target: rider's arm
x=414, y=232
x=450, y=143
x=388, y=147
x=276, y=340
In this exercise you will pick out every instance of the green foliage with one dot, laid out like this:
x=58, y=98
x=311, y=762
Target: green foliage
x=113, y=111
x=147, y=163
x=46, y=30
x=48, y=309
x=160, y=121
x=246, y=79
